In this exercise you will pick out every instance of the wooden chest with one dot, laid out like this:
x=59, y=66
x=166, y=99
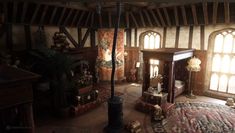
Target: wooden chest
x=154, y=98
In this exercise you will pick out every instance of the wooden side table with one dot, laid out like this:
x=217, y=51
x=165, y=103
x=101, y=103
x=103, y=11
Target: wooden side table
x=155, y=98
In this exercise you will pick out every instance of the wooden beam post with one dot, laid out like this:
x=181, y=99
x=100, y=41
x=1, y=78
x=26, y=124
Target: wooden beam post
x=85, y=38
x=176, y=16
x=215, y=8
x=194, y=11
x=87, y=19
x=35, y=14
x=14, y=11
x=148, y=17
x=177, y=35
x=133, y=18
x=61, y=17
x=28, y=37
x=205, y=12
x=184, y=15
x=226, y=12
x=9, y=41
x=161, y=18
x=155, y=18
x=68, y=16
x=110, y=19
x=167, y=17
x=127, y=20
x=100, y=20
x=164, y=37
x=74, y=18
x=142, y=18
x=63, y=29
x=25, y=7
x=79, y=30
x=202, y=37
x=80, y=18
x=43, y=15
x=53, y=15
x=190, y=41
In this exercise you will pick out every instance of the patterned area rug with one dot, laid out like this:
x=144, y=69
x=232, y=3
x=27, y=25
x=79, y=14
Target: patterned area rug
x=200, y=117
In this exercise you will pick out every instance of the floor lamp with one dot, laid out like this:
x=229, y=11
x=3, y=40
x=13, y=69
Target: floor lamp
x=193, y=66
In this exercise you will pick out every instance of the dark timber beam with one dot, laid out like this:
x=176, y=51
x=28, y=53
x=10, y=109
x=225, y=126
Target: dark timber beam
x=127, y=20
x=190, y=41
x=63, y=29
x=226, y=12
x=35, y=14
x=61, y=17
x=202, y=36
x=176, y=16
x=9, y=40
x=87, y=19
x=68, y=16
x=28, y=37
x=110, y=19
x=167, y=17
x=43, y=15
x=142, y=18
x=53, y=15
x=92, y=19
x=161, y=18
x=85, y=38
x=25, y=7
x=148, y=17
x=74, y=18
x=92, y=37
x=5, y=11
x=14, y=11
x=79, y=30
x=194, y=11
x=164, y=37
x=100, y=20
x=155, y=18
x=184, y=15
x=133, y=18
x=215, y=9
x=177, y=35
x=205, y=13
x=80, y=18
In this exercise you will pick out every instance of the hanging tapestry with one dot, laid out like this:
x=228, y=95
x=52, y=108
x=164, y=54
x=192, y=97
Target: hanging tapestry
x=105, y=44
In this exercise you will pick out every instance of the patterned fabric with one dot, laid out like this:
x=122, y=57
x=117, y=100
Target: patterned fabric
x=200, y=117
x=104, y=61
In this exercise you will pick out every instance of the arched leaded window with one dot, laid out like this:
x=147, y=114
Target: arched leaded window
x=222, y=69
x=152, y=41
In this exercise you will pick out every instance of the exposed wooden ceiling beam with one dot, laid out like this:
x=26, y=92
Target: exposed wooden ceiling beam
x=74, y=17
x=194, y=11
x=61, y=16
x=148, y=17
x=68, y=16
x=5, y=11
x=176, y=16
x=226, y=12
x=80, y=18
x=142, y=18
x=110, y=19
x=155, y=18
x=127, y=19
x=14, y=11
x=100, y=20
x=35, y=13
x=215, y=9
x=205, y=12
x=53, y=15
x=161, y=18
x=133, y=18
x=184, y=15
x=92, y=19
x=25, y=7
x=167, y=17
x=87, y=19
x=43, y=14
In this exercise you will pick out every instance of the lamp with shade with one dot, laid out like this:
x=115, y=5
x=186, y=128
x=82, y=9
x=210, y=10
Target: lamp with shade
x=193, y=66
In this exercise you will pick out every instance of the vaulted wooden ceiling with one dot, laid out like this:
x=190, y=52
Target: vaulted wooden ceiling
x=134, y=14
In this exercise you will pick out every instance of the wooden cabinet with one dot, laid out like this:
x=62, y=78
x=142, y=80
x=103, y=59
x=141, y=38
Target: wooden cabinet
x=154, y=98
x=170, y=56
x=16, y=92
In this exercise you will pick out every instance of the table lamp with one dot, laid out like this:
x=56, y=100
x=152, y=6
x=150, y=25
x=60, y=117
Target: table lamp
x=193, y=66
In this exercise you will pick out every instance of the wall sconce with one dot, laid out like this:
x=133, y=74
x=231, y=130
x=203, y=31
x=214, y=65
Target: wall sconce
x=125, y=53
